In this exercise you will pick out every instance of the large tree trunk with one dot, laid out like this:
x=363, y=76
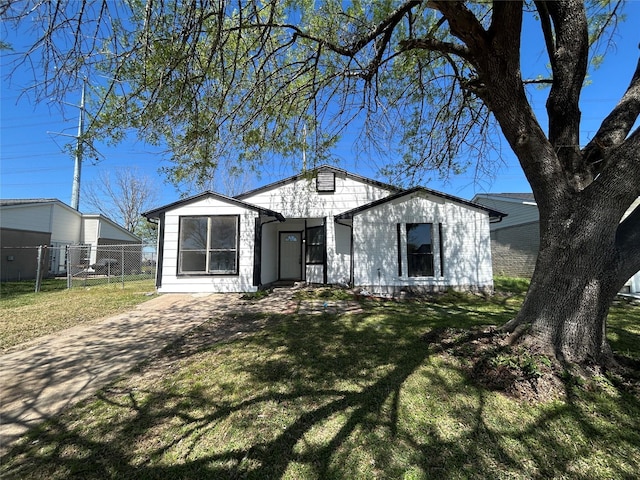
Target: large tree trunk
x=585, y=254
x=576, y=278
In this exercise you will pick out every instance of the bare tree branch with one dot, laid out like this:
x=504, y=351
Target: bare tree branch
x=569, y=60
x=615, y=127
x=123, y=199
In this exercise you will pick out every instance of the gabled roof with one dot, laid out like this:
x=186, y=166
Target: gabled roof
x=516, y=197
x=21, y=202
x=26, y=201
x=209, y=194
x=493, y=214
x=102, y=218
x=312, y=173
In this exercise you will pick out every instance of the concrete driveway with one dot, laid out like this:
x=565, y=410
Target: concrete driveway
x=42, y=377
x=53, y=372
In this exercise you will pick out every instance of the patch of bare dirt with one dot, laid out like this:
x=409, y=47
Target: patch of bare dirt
x=491, y=362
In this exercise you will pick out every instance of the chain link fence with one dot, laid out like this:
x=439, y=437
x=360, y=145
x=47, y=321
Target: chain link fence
x=94, y=265
x=80, y=265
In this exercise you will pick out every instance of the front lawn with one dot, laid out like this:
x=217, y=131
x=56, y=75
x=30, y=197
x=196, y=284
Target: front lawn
x=374, y=394
x=26, y=315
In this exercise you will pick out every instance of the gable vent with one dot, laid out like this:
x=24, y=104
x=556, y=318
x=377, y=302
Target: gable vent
x=326, y=182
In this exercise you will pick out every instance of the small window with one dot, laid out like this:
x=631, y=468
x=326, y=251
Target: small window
x=315, y=245
x=419, y=250
x=326, y=182
x=208, y=245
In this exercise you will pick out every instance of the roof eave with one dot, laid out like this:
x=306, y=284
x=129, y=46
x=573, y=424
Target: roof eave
x=310, y=173
x=493, y=214
x=155, y=213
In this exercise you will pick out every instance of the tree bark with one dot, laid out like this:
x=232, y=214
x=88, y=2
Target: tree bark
x=572, y=288
x=585, y=255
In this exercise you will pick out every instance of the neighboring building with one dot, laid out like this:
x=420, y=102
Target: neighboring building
x=26, y=224
x=516, y=240
x=325, y=226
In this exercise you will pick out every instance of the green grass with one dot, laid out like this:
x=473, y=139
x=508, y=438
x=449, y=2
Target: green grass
x=26, y=315
x=358, y=396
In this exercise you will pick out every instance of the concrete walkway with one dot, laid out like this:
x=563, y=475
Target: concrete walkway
x=53, y=372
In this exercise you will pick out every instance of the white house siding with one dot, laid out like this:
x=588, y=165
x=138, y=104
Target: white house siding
x=341, y=260
x=97, y=227
x=63, y=223
x=465, y=248
x=243, y=282
x=299, y=200
x=66, y=225
x=90, y=230
x=35, y=218
x=270, y=236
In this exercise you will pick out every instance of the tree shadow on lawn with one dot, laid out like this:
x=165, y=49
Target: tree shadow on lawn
x=358, y=396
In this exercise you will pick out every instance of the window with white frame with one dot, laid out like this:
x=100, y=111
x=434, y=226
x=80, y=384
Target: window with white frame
x=208, y=245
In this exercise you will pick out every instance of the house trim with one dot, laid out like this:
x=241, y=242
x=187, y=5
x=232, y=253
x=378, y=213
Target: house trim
x=440, y=249
x=313, y=173
x=160, y=260
x=325, y=264
x=521, y=198
x=209, y=194
x=494, y=215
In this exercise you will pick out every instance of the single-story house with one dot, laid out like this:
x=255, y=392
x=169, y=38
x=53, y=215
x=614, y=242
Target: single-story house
x=324, y=226
x=516, y=240
x=26, y=224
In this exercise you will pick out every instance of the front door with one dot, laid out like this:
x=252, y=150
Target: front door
x=290, y=256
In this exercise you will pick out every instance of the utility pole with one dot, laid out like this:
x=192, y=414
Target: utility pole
x=77, y=169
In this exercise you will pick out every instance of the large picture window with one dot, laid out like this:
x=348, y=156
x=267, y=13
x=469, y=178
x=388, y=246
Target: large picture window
x=419, y=250
x=315, y=245
x=208, y=245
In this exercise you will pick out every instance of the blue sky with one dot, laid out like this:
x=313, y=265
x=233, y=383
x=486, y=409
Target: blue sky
x=34, y=164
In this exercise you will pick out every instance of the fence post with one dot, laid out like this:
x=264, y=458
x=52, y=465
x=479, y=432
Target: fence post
x=122, y=265
x=85, y=265
x=67, y=262
x=39, y=269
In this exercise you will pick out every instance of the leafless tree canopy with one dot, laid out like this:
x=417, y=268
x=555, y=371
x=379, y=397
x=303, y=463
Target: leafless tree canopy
x=123, y=196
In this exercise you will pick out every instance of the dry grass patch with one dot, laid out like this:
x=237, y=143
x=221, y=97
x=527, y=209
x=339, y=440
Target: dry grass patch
x=26, y=315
